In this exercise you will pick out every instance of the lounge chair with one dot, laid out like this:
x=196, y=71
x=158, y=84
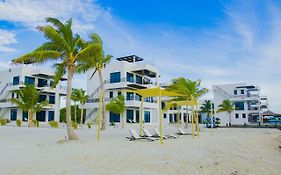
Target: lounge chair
x=148, y=134
x=157, y=133
x=181, y=132
x=135, y=136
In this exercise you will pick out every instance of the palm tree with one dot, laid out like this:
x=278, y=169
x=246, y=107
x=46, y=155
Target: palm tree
x=74, y=97
x=80, y=96
x=97, y=63
x=226, y=106
x=117, y=106
x=28, y=101
x=67, y=50
x=206, y=107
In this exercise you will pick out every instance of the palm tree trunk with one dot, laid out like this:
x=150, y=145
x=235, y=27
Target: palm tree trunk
x=70, y=131
x=229, y=119
x=123, y=121
x=30, y=115
x=192, y=120
x=186, y=119
x=103, y=126
x=81, y=119
x=197, y=120
x=179, y=121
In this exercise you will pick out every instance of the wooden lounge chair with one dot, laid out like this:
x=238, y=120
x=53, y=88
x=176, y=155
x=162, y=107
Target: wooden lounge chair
x=148, y=134
x=181, y=132
x=157, y=133
x=135, y=136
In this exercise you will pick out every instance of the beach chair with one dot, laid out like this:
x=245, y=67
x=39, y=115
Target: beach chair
x=135, y=136
x=157, y=133
x=148, y=134
x=181, y=132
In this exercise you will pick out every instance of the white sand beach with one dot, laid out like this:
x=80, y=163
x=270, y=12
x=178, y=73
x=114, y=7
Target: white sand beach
x=35, y=151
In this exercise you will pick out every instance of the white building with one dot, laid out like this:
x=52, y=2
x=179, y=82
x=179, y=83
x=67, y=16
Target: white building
x=124, y=73
x=16, y=78
x=249, y=105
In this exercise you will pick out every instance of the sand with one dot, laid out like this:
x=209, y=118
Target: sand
x=35, y=151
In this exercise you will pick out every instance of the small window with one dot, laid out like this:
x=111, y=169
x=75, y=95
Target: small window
x=111, y=94
x=24, y=116
x=42, y=82
x=171, y=118
x=165, y=115
x=51, y=83
x=51, y=116
x=244, y=115
x=115, y=77
x=119, y=93
x=235, y=92
x=16, y=80
x=130, y=77
x=138, y=79
x=242, y=91
x=42, y=98
x=41, y=116
x=29, y=80
x=236, y=115
x=130, y=96
x=239, y=105
x=146, y=116
x=52, y=99
x=13, y=114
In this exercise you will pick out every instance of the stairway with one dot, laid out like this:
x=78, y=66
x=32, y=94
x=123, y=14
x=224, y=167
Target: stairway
x=92, y=116
x=222, y=92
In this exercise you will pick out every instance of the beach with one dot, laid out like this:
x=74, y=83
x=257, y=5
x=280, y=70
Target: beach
x=235, y=151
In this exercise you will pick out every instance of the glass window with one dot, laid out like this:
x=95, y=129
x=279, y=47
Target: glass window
x=29, y=80
x=51, y=83
x=137, y=116
x=235, y=92
x=146, y=116
x=115, y=77
x=42, y=82
x=42, y=98
x=41, y=116
x=239, y=105
x=244, y=115
x=52, y=99
x=16, y=80
x=111, y=94
x=242, y=91
x=129, y=96
x=175, y=117
x=13, y=114
x=130, y=77
x=119, y=93
x=165, y=116
x=138, y=79
x=171, y=118
x=114, y=117
x=138, y=97
x=51, y=116
x=130, y=115
x=236, y=115
x=24, y=116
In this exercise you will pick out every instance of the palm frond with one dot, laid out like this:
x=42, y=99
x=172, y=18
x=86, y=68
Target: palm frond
x=39, y=56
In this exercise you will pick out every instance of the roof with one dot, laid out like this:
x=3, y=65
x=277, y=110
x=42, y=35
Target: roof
x=247, y=87
x=130, y=58
x=270, y=113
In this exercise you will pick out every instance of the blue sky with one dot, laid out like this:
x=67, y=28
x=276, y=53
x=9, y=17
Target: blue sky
x=216, y=41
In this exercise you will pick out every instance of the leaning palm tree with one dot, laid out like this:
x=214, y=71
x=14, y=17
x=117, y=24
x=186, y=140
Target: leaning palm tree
x=117, y=106
x=67, y=50
x=97, y=63
x=80, y=96
x=28, y=101
x=226, y=106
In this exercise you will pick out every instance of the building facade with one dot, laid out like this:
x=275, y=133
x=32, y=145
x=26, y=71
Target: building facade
x=18, y=77
x=249, y=105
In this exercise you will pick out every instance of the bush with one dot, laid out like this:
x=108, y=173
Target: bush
x=89, y=125
x=18, y=122
x=3, y=121
x=75, y=125
x=35, y=123
x=54, y=124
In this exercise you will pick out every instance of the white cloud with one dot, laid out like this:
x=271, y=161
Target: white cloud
x=7, y=38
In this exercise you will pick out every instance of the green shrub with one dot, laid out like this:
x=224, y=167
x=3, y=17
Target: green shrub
x=18, y=122
x=89, y=125
x=35, y=123
x=75, y=125
x=54, y=124
x=3, y=121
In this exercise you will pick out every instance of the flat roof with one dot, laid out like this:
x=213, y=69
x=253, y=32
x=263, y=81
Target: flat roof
x=248, y=87
x=130, y=58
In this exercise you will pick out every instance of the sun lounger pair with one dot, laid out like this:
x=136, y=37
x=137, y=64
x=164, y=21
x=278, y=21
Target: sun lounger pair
x=135, y=136
x=181, y=132
x=157, y=134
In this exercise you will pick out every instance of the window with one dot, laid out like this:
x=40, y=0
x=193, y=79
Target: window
x=130, y=115
x=146, y=116
x=138, y=79
x=184, y=117
x=236, y=115
x=13, y=95
x=41, y=116
x=13, y=114
x=42, y=98
x=16, y=80
x=137, y=116
x=51, y=83
x=235, y=92
x=138, y=97
x=130, y=77
x=239, y=105
x=165, y=116
x=175, y=117
x=24, y=116
x=242, y=91
x=111, y=94
x=114, y=117
x=29, y=80
x=129, y=96
x=171, y=118
x=244, y=115
x=52, y=99
x=115, y=77
x=42, y=82
x=119, y=93
x=51, y=116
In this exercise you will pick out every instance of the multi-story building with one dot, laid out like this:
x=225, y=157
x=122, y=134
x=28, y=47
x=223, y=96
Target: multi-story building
x=249, y=105
x=126, y=73
x=16, y=78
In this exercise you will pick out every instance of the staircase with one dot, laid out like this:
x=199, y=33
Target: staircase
x=222, y=92
x=92, y=116
x=3, y=112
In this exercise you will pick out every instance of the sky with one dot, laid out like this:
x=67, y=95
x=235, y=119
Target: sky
x=217, y=41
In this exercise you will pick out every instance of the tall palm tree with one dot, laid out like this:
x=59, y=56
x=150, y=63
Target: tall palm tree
x=117, y=106
x=226, y=106
x=80, y=96
x=65, y=48
x=97, y=62
x=28, y=101
x=206, y=107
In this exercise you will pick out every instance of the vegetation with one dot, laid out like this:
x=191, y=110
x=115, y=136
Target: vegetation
x=3, y=121
x=117, y=106
x=63, y=114
x=75, y=125
x=35, y=123
x=89, y=125
x=80, y=96
x=206, y=107
x=18, y=122
x=226, y=106
x=54, y=124
x=67, y=50
x=28, y=101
